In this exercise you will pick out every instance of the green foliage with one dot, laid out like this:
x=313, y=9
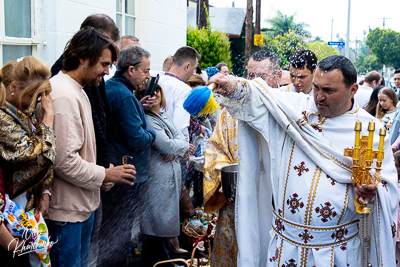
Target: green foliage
x=213, y=46
x=284, y=45
x=366, y=64
x=322, y=49
x=281, y=24
x=385, y=46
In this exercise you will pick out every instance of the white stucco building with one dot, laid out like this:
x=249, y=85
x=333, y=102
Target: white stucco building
x=43, y=27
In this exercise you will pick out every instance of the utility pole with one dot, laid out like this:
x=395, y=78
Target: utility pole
x=384, y=19
x=258, y=23
x=249, y=32
x=348, y=33
x=201, y=13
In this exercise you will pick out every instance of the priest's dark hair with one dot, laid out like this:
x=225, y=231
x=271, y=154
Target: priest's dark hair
x=87, y=43
x=397, y=71
x=303, y=57
x=185, y=54
x=103, y=23
x=267, y=54
x=338, y=62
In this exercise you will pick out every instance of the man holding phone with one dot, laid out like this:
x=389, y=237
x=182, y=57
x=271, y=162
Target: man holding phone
x=132, y=138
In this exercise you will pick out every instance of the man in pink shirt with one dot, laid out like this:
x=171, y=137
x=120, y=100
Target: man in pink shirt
x=77, y=177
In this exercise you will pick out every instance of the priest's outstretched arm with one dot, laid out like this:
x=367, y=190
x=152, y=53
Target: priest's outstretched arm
x=252, y=100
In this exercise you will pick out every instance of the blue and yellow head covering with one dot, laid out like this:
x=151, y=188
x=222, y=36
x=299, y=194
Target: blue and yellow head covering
x=211, y=71
x=200, y=101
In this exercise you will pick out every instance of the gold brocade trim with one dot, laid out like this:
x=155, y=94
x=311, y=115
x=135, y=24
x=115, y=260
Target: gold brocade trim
x=311, y=196
x=265, y=89
x=348, y=167
x=345, y=204
x=355, y=111
x=301, y=122
x=313, y=246
x=215, y=163
x=221, y=149
x=302, y=261
x=322, y=229
x=280, y=253
x=306, y=259
x=321, y=121
x=332, y=256
x=287, y=178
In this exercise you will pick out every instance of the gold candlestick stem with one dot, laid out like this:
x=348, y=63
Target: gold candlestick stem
x=356, y=155
x=379, y=158
x=368, y=157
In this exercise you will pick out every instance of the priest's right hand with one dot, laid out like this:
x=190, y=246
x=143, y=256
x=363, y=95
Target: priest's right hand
x=121, y=174
x=366, y=193
x=226, y=84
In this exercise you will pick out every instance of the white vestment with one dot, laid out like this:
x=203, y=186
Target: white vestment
x=293, y=89
x=291, y=156
x=176, y=92
x=361, y=98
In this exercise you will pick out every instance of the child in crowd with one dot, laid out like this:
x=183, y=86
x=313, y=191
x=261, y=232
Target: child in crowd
x=386, y=108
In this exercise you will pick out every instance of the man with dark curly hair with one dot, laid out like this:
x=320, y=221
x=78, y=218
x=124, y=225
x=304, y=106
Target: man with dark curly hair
x=302, y=66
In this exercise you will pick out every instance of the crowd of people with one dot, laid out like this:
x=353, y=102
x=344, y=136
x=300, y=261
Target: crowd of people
x=94, y=161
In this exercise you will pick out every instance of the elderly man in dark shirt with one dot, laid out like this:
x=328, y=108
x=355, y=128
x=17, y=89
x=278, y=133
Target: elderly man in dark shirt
x=131, y=138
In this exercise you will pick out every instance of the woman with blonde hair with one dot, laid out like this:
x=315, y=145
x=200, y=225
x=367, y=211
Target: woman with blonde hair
x=27, y=146
x=386, y=108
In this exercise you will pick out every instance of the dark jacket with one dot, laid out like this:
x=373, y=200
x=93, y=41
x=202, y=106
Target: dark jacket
x=105, y=149
x=130, y=133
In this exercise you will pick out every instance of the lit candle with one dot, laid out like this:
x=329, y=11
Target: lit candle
x=371, y=129
x=382, y=134
x=357, y=129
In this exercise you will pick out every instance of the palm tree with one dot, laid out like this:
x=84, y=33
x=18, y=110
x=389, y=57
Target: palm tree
x=281, y=24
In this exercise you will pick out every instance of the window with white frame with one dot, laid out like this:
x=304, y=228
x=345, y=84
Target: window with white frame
x=17, y=29
x=126, y=19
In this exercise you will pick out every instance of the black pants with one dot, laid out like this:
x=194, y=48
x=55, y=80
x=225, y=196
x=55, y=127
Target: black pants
x=155, y=249
x=119, y=209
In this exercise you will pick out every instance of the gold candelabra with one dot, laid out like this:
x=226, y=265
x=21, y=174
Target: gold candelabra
x=363, y=155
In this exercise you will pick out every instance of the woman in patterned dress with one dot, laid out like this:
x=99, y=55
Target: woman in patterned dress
x=6, y=239
x=27, y=147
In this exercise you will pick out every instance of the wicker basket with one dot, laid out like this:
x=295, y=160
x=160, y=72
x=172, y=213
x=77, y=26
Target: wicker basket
x=199, y=262
x=193, y=235
x=174, y=260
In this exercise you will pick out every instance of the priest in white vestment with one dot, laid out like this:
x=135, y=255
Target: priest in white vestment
x=295, y=195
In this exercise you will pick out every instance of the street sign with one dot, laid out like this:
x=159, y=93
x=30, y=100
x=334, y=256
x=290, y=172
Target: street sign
x=339, y=44
x=258, y=40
